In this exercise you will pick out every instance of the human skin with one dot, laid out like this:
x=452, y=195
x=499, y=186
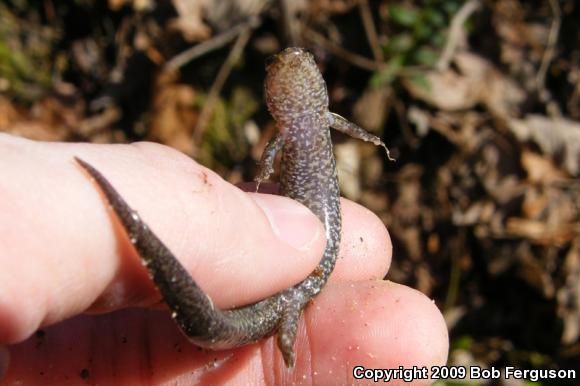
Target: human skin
x=68, y=268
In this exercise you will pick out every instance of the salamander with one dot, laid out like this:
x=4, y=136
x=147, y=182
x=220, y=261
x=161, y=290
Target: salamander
x=297, y=98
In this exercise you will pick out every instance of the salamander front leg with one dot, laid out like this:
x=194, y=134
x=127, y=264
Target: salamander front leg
x=268, y=156
x=345, y=126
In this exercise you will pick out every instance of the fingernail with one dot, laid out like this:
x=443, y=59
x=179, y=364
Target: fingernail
x=4, y=361
x=293, y=223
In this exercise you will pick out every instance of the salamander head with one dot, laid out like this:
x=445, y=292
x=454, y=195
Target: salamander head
x=294, y=85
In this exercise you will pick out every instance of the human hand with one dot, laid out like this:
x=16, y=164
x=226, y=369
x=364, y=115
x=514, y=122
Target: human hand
x=61, y=257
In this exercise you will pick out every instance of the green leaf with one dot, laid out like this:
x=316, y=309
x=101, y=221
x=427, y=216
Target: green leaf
x=423, y=31
x=420, y=80
x=439, y=39
x=425, y=55
x=463, y=342
x=434, y=17
x=537, y=359
x=389, y=73
x=451, y=7
x=399, y=44
x=403, y=15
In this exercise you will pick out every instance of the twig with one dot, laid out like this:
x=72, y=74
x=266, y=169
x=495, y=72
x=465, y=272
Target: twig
x=224, y=72
x=214, y=43
x=289, y=16
x=455, y=33
x=371, y=32
x=550, y=48
x=354, y=59
x=99, y=123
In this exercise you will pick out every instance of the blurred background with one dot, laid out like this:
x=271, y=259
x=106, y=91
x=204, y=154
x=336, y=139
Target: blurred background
x=479, y=102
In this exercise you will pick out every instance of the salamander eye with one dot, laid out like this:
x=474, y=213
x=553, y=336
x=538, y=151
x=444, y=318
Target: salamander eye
x=269, y=60
x=309, y=52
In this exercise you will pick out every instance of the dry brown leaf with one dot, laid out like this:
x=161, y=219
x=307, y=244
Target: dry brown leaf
x=534, y=271
x=8, y=114
x=189, y=20
x=540, y=170
x=420, y=119
x=477, y=82
x=407, y=212
x=331, y=6
x=348, y=162
x=48, y=120
x=222, y=15
x=556, y=137
x=535, y=203
x=138, y=5
x=523, y=37
x=569, y=295
x=371, y=109
x=174, y=117
x=448, y=90
x=498, y=93
x=539, y=232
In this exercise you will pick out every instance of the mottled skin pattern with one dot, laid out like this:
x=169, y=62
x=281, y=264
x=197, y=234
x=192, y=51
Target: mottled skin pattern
x=297, y=99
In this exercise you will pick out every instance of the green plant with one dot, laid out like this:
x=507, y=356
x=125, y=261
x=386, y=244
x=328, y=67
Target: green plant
x=419, y=34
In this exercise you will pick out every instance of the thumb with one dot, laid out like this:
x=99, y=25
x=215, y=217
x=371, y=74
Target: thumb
x=63, y=251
